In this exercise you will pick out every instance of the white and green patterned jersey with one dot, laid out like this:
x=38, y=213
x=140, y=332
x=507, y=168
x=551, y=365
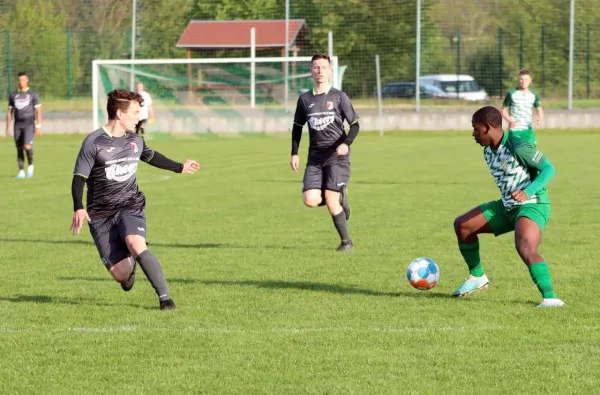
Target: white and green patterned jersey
x=516, y=165
x=520, y=107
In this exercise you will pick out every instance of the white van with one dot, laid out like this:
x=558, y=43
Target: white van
x=468, y=88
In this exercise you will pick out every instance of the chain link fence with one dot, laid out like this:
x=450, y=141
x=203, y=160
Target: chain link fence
x=486, y=42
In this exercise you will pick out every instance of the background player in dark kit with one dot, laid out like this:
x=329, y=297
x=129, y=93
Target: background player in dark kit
x=25, y=108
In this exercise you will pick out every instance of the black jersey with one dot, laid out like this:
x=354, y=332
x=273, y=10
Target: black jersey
x=23, y=103
x=109, y=165
x=325, y=115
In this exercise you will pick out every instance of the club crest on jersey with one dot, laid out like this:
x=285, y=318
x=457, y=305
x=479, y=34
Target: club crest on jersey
x=134, y=147
x=330, y=105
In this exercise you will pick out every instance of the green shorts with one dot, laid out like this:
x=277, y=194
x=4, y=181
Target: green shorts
x=526, y=134
x=503, y=221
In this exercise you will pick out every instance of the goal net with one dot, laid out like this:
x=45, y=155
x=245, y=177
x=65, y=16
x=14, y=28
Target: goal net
x=223, y=95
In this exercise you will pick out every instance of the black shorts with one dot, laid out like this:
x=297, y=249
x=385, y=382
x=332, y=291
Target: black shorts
x=109, y=234
x=331, y=174
x=140, y=125
x=24, y=132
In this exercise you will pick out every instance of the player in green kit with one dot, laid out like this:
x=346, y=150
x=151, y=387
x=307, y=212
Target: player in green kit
x=518, y=106
x=521, y=173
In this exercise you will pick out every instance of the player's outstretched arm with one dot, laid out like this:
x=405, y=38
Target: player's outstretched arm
x=157, y=159
x=190, y=166
x=80, y=213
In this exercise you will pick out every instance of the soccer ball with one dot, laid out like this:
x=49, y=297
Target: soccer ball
x=423, y=273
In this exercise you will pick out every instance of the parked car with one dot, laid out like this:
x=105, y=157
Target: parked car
x=468, y=88
x=407, y=90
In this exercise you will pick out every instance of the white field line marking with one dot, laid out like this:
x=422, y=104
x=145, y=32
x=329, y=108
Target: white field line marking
x=282, y=330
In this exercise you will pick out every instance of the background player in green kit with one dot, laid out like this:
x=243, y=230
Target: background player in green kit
x=518, y=107
x=328, y=167
x=521, y=173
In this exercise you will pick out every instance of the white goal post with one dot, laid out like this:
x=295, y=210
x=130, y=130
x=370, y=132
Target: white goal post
x=235, y=81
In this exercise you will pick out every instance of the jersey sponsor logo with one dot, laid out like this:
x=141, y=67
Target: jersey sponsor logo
x=321, y=123
x=537, y=157
x=120, y=173
x=22, y=102
x=134, y=147
x=310, y=105
x=330, y=105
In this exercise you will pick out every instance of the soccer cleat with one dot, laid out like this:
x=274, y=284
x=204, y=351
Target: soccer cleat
x=128, y=284
x=30, y=171
x=20, y=175
x=471, y=285
x=345, y=246
x=550, y=302
x=344, y=201
x=167, y=304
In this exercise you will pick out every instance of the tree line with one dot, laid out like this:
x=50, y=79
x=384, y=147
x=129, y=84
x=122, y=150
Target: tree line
x=56, y=40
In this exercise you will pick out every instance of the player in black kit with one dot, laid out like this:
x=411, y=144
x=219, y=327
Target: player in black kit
x=107, y=163
x=25, y=108
x=328, y=167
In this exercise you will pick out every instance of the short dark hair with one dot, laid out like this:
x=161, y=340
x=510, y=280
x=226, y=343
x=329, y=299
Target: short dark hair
x=120, y=99
x=488, y=115
x=22, y=73
x=318, y=56
x=524, y=72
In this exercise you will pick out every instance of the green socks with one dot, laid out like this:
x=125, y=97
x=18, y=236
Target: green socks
x=470, y=253
x=540, y=274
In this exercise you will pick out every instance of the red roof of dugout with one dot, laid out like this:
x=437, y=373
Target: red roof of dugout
x=236, y=34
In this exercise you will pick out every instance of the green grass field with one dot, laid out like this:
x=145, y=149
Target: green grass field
x=265, y=305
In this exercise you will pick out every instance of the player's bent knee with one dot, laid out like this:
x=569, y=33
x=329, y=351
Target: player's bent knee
x=312, y=198
x=136, y=244
x=527, y=251
x=461, y=228
x=312, y=202
x=121, y=270
x=27, y=146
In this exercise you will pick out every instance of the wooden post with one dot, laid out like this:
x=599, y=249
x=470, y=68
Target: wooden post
x=189, y=72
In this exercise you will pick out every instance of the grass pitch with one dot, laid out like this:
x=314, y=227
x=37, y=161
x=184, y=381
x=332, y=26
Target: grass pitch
x=265, y=304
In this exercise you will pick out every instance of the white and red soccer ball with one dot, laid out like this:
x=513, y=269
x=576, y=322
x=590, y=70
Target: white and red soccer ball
x=423, y=273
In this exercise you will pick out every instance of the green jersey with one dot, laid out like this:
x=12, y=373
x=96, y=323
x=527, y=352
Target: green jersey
x=520, y=107
x=517, y=165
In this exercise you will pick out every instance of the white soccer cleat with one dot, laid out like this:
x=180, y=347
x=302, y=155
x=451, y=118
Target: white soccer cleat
x=471, y=285
x=30, y=171
x=551, y=302
x=20, y=174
